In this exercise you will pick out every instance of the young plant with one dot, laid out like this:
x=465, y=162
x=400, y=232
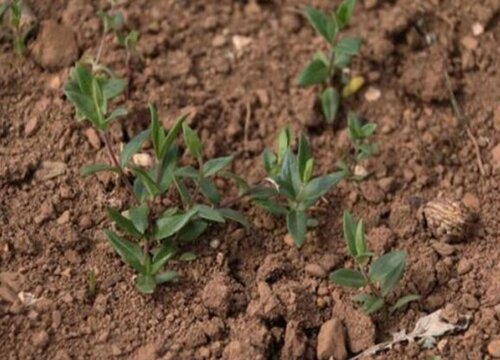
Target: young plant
x=360, y=135
x=330, y=70
x=14, y=9
x=382, y=275
x=295, y=190
x=157, y=233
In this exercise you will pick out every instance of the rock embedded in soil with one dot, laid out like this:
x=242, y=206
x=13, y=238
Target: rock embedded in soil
x=31, y=126
x=331, y=341
x=295, y=344
x=315, y=270
x=40, y=339
x=55, y=47
x=51, y=169
x=93, y=138
x=494, y=348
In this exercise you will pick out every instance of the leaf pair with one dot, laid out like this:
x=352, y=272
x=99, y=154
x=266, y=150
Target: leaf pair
x=147, y=267
x=359, y=134
x=384, y=273
x=90, y=95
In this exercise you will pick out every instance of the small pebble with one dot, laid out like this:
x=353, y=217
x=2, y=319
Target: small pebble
x=93, y=138
x=464, y=266
x=31, y=127
x=289, y=240
x=372, y=94
x=315, y=270
x=85, y=222
x=477, y=29
x=470, y=302
x=215, y=243
x=40, y=339
x=443, y=249
x=469, y=43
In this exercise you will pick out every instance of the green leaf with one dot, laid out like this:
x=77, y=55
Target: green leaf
x=85, y=107
x=166, y=252
x=133, y=146
x=261, y=193
x=365, y=151
x=370, y=303
x=113, y=87
x=209, y=190
x=94, y=168
x=269, y=160
x=234, y=216
x=308, y=171
x=330, y=101
x=166, y=276
x=187, y=256
x=271, y=206
x=388, y=270
x=344, y=13
x=83, y=78
x=296, y=222
x=183, y=191
x=123, y=223
x=130, y=252
x=289, y=180
x=315, y=73
x=323, y=24
x=348, y=277
x=349, y=225
x=146, y=180
x=139, y=217
x=368, y=129
x=116, y=113
x=192, y=141
x=284, y=141
x=345, y=50
x=404, y=301
x=360, y=238
x=169, y=225
x=157, y=132
x=316, y=188
x=208, y=213
x=174, y=132
x=303, y=156
x=213, y=166
x=145, y=283
x=242, y=183
x=100, y=104
x=192, y=231
x=187, y=172
x=131, y=40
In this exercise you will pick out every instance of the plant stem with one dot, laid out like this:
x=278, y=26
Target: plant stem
x=99, y=50
x=372, y=287
x=116, y=163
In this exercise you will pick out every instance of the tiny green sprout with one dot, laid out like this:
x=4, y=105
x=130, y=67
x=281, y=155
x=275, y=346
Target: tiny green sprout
x=294, y=189
x=14, y=9
x=92, y=283
x=360, y=135
x=328, y=69
x=381, y=276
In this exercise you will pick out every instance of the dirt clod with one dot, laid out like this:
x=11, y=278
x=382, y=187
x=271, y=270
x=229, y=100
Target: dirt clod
x=40, y=339
x=55, y=48
x=331, y=341
x=294, y=347
x=494, y=348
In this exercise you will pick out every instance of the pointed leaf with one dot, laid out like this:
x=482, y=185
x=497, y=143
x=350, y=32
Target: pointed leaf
x=192, y=141
x=234, y=216
x=208, y=213
x=360, y=238
x=323, y=24
x=94, y=168
x=133, y=146
x=169, y=225
x=146, y=180
x=166, y=276
x=123, y=223
x=192, y=231
x=174, y=132
x=209, y=190
x=187, y=256
x=166, y=252
x=318, y=187
x=116, y=113
x=145, y=284
x=213, y=166
x=349, y=226
x=130, y=252
x=269, y=161
x=139, y=217
x=404, y=301
x=157, y=132
x=297, y=224
x=113, y=87
x=344, y=13
x=271, y=206
x=303, y=156
x=348, y=277
x=330, y=104
x=85, y=106
x=315, y=73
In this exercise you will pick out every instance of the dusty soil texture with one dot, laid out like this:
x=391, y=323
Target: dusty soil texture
x=234, y=65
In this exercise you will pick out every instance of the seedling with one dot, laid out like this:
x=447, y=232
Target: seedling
x=331, y=69
x=295, y=190
x=381, y=276
x=14, y=8
x=159, y=233
x=360, y=135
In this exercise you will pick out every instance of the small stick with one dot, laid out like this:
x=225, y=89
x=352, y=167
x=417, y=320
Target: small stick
x=247, y=125
x=463, y=122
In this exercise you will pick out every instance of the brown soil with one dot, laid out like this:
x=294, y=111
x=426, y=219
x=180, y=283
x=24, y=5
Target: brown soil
x=253, y=296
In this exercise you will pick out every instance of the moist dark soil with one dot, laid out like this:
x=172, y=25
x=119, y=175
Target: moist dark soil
x=233, y=65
